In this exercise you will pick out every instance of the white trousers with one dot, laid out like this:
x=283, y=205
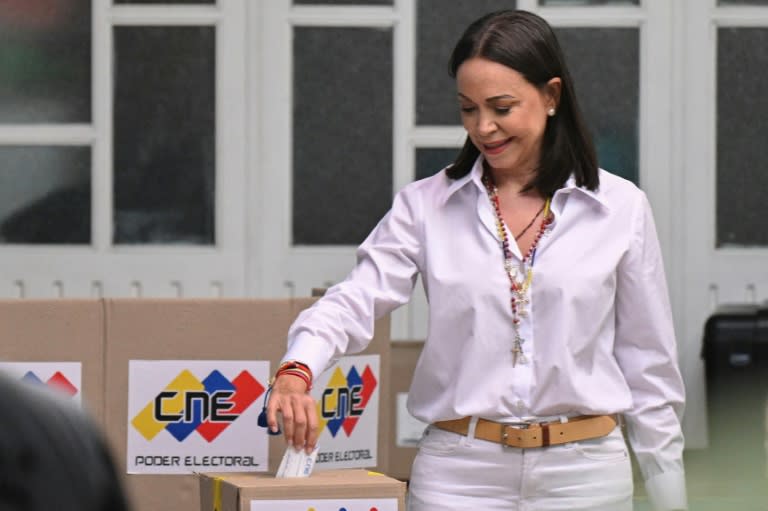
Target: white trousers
x=453, y=472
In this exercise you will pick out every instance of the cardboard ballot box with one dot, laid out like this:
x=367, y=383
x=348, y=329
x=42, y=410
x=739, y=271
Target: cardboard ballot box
x=328, y=490
x=161, y=355
x=58, y=344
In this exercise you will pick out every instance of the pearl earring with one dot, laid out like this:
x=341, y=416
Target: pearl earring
x=551, y=112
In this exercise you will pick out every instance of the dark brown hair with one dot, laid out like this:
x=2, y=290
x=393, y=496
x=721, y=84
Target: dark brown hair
x=526, y=43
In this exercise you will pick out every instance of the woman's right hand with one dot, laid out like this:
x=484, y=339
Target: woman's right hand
x=290, y=398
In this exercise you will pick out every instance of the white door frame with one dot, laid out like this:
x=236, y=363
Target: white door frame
x=102, y=269
x=709, y=276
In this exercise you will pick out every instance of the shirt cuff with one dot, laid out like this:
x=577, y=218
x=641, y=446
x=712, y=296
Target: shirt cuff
x=666, y=491
x=314, y=353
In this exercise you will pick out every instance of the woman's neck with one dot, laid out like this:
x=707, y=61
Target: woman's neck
x=511, y=181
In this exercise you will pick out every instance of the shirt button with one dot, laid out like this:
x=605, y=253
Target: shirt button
x=519, y=405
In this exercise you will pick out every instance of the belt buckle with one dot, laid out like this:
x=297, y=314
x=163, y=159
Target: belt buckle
x=512, y=425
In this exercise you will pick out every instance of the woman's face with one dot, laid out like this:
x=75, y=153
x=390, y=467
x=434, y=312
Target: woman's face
x=503, y=113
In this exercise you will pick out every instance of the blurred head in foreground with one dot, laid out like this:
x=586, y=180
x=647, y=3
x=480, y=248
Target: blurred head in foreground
x=52, y=456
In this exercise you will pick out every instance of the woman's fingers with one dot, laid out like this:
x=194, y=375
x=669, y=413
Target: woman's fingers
x=297, y=436
x=312, y=426
x=272, y=408
x=289, y=398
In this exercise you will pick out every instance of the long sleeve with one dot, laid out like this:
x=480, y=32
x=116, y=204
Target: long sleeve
x=383, y=279
x=645, y=349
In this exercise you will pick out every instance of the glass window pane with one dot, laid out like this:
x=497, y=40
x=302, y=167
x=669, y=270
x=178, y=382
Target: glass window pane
x=742, y=129
x=430, y=161
x=164, y=135
x=610, y=105
x=439, y=25
x=167, y=2
x=588, y=2
x=45, y=194
x=343, y=2
x=45, y=62
x=342, y=133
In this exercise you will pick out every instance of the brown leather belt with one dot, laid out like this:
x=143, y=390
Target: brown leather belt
x=535, y=434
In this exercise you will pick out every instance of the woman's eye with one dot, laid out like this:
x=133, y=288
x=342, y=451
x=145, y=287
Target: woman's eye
x=467, y=109
x=503, y=109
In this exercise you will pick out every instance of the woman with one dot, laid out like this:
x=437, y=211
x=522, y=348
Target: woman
x=549, y=316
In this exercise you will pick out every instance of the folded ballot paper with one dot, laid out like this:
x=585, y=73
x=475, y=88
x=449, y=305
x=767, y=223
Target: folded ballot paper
x=296, y=463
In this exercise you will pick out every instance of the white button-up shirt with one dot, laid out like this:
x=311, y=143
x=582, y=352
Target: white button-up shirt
x=598, y=338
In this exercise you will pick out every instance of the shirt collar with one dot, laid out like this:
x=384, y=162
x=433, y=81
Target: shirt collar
x=474, y=175
x=596, y=195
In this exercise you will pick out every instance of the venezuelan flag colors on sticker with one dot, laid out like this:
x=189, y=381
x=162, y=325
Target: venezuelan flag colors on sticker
x=61, y=377
x=188, y=416
x=347, y=397
x=207, y=406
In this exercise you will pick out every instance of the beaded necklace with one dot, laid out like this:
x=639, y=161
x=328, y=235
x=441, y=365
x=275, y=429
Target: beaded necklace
x=520, y=277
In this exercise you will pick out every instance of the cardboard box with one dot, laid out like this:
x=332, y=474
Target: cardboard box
x=140, y=331
x=405, y=430
x=58, y=343
x=330, y=490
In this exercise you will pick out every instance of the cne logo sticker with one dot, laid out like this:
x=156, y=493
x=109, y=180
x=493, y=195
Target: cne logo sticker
x=206, y=406
x=347, y=397
x=344, y=399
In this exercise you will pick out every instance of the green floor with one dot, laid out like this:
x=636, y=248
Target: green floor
x=715, y=483
x=718, y=485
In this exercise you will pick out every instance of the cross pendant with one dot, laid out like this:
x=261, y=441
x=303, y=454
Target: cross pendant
x=516, y=352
